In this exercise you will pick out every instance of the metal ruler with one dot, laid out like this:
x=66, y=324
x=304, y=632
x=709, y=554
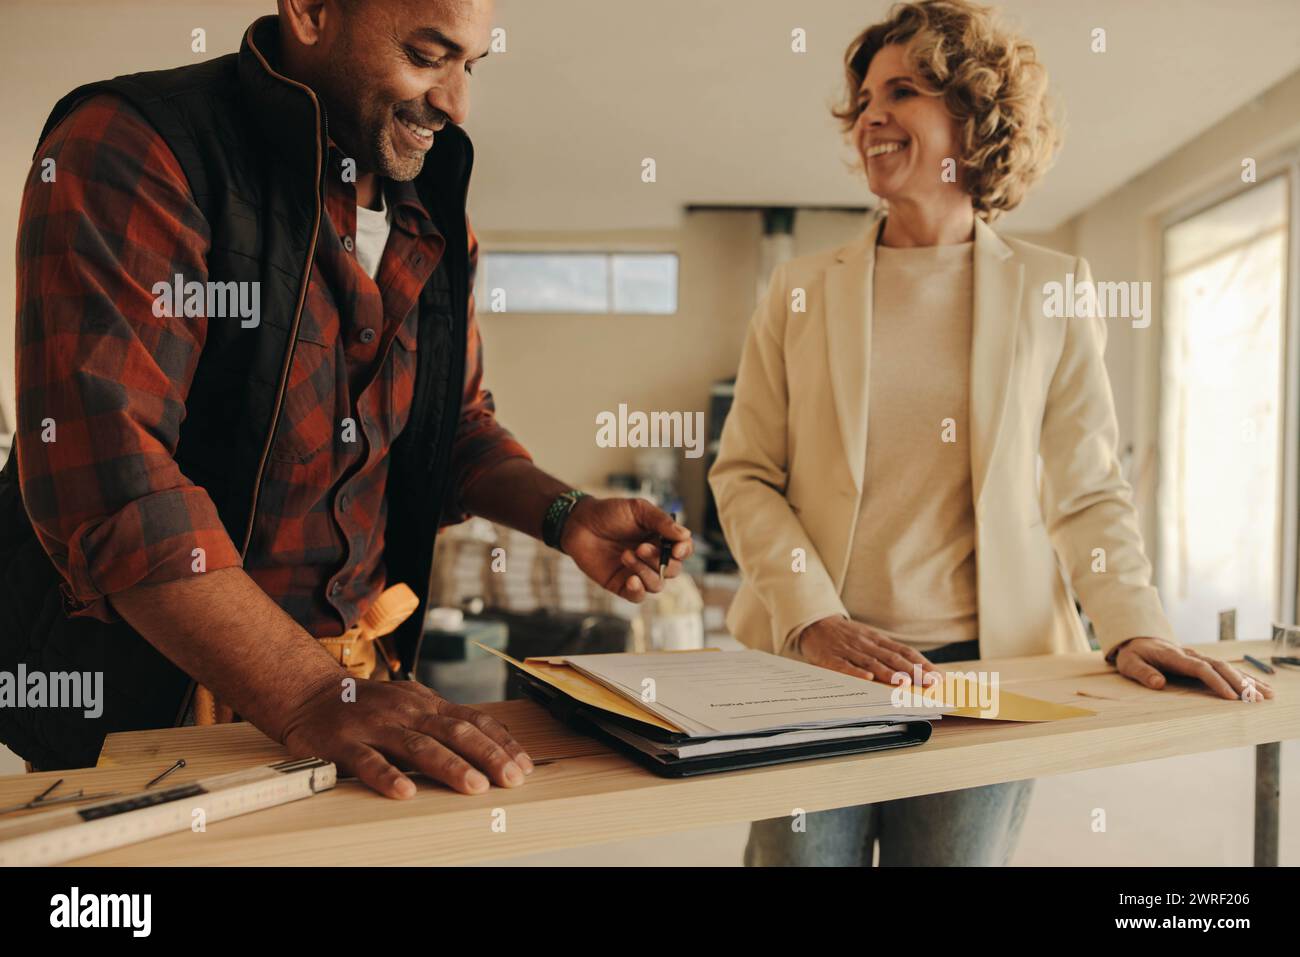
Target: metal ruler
x=53, y=837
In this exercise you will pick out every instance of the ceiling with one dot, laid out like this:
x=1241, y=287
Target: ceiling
x=711, y=91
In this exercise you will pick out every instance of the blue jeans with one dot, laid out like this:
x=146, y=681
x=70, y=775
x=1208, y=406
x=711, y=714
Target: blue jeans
x=971, y=827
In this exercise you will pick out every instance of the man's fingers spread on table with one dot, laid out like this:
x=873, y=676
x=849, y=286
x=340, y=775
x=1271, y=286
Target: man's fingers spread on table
x=421, y=752
x=467, y=740
x=494, y=729
x=376, y=773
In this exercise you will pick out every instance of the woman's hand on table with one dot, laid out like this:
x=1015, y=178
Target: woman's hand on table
x=1148, y=660
x=856, y=649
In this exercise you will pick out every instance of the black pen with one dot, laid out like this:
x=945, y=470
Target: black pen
x=665, y=549
x=1260, y=665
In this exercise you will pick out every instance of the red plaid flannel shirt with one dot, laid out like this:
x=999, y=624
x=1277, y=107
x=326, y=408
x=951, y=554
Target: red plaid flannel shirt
x=105, y=497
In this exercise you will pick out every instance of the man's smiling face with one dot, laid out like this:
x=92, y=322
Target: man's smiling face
x=391, y=73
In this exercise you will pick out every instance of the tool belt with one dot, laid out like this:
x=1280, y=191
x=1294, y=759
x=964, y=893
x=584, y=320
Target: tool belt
x=358, y=650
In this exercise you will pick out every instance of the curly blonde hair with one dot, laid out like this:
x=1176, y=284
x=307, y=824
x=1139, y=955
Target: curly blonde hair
x=991, y=83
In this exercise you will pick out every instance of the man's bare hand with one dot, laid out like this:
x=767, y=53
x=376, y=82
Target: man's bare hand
x=394, y=725
x=607, y=539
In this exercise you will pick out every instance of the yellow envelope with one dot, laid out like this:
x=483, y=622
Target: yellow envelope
x=581, y=688
x=958, y=692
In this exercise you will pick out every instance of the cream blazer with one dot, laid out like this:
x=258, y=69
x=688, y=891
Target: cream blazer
x=793, y=450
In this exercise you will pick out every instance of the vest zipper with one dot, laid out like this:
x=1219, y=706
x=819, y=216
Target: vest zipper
x=321, y=129
x=455, y=390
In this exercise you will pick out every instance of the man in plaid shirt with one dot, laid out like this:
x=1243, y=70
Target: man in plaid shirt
x=111, y=371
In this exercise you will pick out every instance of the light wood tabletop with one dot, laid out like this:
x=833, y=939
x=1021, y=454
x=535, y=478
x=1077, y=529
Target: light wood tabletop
x=584, y=793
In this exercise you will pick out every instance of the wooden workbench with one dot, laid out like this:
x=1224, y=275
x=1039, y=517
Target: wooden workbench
x=583, y=793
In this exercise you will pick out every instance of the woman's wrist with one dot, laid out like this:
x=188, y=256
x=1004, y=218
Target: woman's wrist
x=795, y=639
x=1113, y=654
x=794, y=642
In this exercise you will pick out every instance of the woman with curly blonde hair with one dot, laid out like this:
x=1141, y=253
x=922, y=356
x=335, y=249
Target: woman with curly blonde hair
x=920, y=463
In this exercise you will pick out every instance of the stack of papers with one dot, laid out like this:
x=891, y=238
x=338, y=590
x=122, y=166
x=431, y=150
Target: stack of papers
x=745, y=692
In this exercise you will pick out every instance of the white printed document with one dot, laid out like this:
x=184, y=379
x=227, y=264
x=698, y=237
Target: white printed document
x=712, y=694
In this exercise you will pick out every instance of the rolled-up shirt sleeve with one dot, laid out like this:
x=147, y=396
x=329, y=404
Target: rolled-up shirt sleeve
x=481, y=441
x=102, y=378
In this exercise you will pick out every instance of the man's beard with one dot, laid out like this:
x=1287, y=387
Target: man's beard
x=388, y=161
x=372, y=131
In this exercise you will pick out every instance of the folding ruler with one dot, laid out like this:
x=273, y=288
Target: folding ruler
x=53, y=837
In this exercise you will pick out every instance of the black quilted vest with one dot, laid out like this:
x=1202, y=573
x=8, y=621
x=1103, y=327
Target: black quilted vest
x=253, y=145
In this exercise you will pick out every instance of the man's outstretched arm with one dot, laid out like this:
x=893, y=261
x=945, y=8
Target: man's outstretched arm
x=613, y=540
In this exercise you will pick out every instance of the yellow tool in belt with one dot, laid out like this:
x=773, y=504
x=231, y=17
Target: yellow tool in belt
x=355, y=649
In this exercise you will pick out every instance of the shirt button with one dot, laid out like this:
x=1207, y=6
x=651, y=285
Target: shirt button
x=347, y=243
x=367, y=336
x=336, y=588
x=344, y=502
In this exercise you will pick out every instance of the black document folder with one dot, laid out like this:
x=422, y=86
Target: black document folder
x=619, y=732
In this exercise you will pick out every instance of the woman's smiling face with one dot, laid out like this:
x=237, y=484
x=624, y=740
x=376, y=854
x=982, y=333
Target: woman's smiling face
x=902, y=135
